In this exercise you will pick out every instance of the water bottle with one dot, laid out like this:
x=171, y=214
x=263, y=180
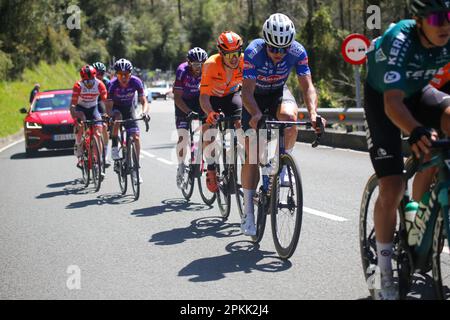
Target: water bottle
x=418, y=224
x=410, y=215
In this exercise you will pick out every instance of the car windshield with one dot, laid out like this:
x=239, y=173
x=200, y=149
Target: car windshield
x=48, y=102
x=160, y=85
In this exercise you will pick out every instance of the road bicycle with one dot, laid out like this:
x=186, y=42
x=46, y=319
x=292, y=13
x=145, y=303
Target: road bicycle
x=91, y=159
x=229, y=171
x=128, y=164
x=431, y=252
x=282, y=201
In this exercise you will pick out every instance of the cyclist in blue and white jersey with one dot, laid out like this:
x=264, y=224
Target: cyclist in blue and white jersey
x=267, y=65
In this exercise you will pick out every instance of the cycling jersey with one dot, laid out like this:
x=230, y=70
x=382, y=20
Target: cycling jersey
x=123, y=96
x=87, y=97
x=214, y=79
x=187, y=82
x=397, y=60
x=270, y=77
x=442, y=77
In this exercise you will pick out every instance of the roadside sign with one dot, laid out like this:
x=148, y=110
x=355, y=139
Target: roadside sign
x=354, y=49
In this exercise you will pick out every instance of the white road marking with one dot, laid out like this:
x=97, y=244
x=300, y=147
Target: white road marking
x=324, y=215
x=165, y=161
x=148, y=154
x=12, y=144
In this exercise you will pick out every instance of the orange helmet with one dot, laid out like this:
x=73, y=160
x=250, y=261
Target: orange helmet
x=229, y=41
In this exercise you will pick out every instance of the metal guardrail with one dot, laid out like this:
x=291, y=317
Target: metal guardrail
x=349, y=116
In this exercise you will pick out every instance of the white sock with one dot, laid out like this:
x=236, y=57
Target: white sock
x=289, y=151
x=384, y=252
x=249, y=207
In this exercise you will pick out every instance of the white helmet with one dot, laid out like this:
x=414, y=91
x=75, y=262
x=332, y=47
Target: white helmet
x=278, y=30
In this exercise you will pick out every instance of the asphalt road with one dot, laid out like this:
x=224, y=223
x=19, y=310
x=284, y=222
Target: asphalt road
x=60, y=241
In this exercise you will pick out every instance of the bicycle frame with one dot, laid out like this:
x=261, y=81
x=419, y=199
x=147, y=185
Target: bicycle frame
x=421, y=253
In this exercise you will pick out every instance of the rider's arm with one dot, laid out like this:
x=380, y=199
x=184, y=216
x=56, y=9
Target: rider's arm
x=179, y=102
x=309, y=95
x=75, y=95
x=248, y=98
x=397, y=111
x=205, y=103
x=145, y=105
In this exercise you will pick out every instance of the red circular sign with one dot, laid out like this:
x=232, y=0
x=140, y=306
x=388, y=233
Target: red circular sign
x=354, y=48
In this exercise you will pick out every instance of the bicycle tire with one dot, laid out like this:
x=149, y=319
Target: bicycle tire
x=96, y=164
x=85, y=172
x=367, y=241
x=286, y=251
x=187, y=185
x=207, y=196
x=134, y=170
x=223, y=195
x=239, y=192
x=441, y=283
x=261, y=216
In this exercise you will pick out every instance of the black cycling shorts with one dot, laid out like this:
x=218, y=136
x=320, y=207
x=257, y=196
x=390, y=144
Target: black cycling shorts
x=230, y=105
x=181, y=121
x=128, y=113
x=384, y=137
x=269, y=104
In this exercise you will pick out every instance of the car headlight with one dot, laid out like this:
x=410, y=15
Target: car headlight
x=33, y=125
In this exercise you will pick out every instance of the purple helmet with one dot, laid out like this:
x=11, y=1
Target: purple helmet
x=197, y=55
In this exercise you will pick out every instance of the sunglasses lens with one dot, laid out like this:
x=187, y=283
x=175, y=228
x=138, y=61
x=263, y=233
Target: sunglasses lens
x=231, y=55
x=277, y=50
x=438, y=19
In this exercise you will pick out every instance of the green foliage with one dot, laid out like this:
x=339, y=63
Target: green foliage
x=15, y=94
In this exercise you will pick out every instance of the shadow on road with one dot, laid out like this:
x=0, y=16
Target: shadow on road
x=71, y=187
x=43, y=154
x=162, y=146
x=421, y=289
x=199, y=228
x=104, y=199
x=243, y=256
x=170, y=205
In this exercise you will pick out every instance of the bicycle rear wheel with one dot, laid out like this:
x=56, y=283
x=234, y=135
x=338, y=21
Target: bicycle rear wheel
x=239, y=192
x=223, y=195
x=261, y=216
x=441, y=257
x=207, y=196
x=286, y=209
x=187, y=184
x=96, y=164
x=134, y=171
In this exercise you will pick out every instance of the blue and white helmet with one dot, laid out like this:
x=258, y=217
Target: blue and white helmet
x=197, y=55
x=278, y=31
x=123, y=65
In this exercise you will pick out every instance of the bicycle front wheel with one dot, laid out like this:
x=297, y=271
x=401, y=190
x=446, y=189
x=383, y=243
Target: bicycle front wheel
x=96, y=164
x=187, y=183
x=286, y=209
x=441, y=257
x=134, y=171
x=85, y=172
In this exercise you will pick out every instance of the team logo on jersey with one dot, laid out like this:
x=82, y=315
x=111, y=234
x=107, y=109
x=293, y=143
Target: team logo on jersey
x=248, y=65
x=304, y=62
x=380, y=56
x=272, y=78
x=391, y=77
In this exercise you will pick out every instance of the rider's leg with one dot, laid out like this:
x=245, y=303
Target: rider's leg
x=385, y=214
x=115, y=136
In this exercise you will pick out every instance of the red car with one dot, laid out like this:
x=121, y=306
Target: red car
x=49, y=124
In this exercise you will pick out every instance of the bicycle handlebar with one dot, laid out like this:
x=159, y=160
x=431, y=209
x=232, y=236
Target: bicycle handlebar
x=308, y=124
x=147, y=126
